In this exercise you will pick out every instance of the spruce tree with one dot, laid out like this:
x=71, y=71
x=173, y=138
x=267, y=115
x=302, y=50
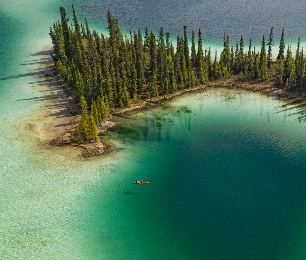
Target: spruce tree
x=241, y=56
x=147, y=39
x=184, y=71
x=209, y=63
x=134, y=80
x=83, y=105
x=98, y=107
x=153, y=84
x=300, y=70
x=270, y=44
x=280, y=68
x=153, y=54
x=168, y=44
x=200, y=55
x=227, y=51
x=287, y=63
x=216, y=69
x=93, y=130
x=256, y=66
x=292, y=77
x=109, y=89
x=200, y=63
x=94, y=113
x=193, y=51
x=297, y=54
x=249, y=58
x=66, y=33
x=81, y=132
x=173, y=84
x=263, y=64
x=186, y=47
x=281, y=46
x=161, y=59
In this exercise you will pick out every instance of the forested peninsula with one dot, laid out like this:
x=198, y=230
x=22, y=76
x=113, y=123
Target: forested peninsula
x=115, y=71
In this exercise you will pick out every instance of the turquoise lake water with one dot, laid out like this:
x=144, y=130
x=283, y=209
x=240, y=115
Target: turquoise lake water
x=226, y=167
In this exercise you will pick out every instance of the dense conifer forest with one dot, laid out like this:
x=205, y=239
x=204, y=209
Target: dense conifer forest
x=109, y=72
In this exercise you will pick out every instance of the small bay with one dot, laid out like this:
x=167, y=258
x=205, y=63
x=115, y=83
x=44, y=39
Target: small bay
x=227, y=181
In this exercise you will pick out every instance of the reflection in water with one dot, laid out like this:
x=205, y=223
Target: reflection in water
x=227, y=180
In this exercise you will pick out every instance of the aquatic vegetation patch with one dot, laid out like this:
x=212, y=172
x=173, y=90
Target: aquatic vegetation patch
x=184, y=109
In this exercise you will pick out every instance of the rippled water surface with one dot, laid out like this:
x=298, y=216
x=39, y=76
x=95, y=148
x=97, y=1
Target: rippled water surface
x=251, y=19
x=227, y=173
x=226, y=167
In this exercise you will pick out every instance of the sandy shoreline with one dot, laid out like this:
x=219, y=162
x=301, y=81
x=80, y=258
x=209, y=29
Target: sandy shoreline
x=57, y=118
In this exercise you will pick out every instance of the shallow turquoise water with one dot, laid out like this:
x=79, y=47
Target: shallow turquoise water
x=227, y=179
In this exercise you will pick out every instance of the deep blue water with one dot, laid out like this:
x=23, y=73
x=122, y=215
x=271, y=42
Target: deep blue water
x=251, y=19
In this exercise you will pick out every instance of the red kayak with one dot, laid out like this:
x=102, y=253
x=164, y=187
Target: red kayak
x=141, y=182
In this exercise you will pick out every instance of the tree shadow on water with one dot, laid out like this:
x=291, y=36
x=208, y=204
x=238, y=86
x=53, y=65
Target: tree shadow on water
x=294, y=107
x=41, y=66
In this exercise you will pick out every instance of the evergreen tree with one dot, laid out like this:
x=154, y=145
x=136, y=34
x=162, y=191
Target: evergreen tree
x=153, y=53
x=66, y=33
x=256, y=70
x=200, y=63
x=270, y=44
x=134, y=80
x=153, y=84
x=193, y=51
x=109, y=88
x=241, y=56
x=209, y=63
x=94, y=113
x=93, y=130
x=281, y=66
x=300, y=67
x=81, y=132
x=297, y=55
x=168, y=44
x=184, y=71
x=249, y=59
x=124, y=86
x=287, y=64
x=186, y=47
x=263, y=64
x=147, y=39
x=226, y=51
x=216, y=69
x=83, y=105
x=200, y=55
x=102, y=108
x=281, y=46
x=292, y=77
x=173, y=84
